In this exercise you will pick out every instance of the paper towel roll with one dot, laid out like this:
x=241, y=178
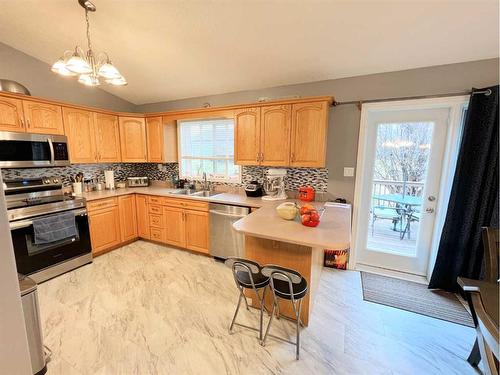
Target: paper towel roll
x=109, y=178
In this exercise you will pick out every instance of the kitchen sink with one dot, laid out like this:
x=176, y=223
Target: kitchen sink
x=191, y=192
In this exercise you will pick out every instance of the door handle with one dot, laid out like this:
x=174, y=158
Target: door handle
x=431, y=198
x=429, y=210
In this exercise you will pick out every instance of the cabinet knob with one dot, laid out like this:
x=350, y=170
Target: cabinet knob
x=28, y=123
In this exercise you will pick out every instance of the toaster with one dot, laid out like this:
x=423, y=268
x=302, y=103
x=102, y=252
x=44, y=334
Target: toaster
x=137, y=181
x=253, y=189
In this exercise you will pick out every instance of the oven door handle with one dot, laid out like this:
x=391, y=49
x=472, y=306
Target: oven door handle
x=52, y=155
x=26, y=223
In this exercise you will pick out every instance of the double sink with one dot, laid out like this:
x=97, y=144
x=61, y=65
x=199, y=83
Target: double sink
x=196, y=193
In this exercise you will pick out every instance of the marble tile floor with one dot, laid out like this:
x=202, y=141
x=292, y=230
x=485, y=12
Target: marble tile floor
x=149, y=309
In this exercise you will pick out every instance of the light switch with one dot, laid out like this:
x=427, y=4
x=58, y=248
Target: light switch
x=348, y=172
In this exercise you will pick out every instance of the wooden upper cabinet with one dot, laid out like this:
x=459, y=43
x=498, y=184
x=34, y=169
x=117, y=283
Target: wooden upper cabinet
x=196, y=230
x=247, y=136
x=107, y=136
x=309, y=131
x=170, y=153
x=43, y=118
x=79, y=128
x=128, y=217
x=154, y=132
x=133, y=139
x=11, y=115
x=275, y=135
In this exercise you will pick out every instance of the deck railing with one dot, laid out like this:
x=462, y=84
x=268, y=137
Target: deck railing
x=381, y=187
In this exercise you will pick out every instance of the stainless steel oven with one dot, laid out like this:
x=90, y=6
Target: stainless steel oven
x=24, y=150
x=39, y=198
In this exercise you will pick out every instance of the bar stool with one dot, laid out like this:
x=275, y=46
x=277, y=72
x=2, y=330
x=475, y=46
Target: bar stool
x=289, y=285
x=247, y=275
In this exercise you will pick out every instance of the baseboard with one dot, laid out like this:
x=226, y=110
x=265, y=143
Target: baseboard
x=391, y=273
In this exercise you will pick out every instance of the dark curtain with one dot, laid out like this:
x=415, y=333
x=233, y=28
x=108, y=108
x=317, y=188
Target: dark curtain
x=474, y=195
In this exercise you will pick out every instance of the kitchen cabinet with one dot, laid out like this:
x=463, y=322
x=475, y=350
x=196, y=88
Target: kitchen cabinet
x=104, y=222
x=309, y=132
x=247, y=136
x=11, y=115
x=275, y=135
x=141, y=204
x=154, y=133
x=174, y=226
x=79, y=128
x=107, y=138
x=170, y=154
x=128, y=217
x=196, y=230
x=43, y=118
x=133, y=139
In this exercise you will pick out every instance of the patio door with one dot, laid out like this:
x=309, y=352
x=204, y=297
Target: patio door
x=398, y=186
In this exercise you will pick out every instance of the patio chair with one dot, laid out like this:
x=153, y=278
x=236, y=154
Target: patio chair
x=385, y=213
x=412, y=217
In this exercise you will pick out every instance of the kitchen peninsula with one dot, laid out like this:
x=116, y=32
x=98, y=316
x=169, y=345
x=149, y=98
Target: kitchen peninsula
x=272, y=240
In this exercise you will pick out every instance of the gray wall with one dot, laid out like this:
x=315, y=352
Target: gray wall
x=37, y=77
x=344, y=120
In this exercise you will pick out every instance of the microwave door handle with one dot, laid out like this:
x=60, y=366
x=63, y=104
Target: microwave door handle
x=51, y=147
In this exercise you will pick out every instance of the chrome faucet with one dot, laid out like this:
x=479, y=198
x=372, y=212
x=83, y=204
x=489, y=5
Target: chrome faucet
x=205, y=185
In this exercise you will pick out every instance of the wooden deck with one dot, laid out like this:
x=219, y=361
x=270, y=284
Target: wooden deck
x=385, y=239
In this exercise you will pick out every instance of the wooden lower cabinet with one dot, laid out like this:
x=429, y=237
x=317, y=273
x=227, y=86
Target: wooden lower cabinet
x=174, y=226
x=104, y=229
x=141, y=205
x=128, y=217
x=196, y=230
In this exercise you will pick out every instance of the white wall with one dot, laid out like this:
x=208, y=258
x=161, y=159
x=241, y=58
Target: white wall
x=14, y=354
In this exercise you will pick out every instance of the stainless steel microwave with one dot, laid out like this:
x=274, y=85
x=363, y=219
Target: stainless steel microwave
x=24, y=150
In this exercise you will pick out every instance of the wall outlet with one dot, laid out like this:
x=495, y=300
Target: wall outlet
x=348, y=172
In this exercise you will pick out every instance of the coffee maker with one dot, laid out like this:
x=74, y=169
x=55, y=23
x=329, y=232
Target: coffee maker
x=274, y=185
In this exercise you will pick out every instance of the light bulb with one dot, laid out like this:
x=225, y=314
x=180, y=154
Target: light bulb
x=109, y=71
x=77, y=64
x=59, y=67
x=89, y=80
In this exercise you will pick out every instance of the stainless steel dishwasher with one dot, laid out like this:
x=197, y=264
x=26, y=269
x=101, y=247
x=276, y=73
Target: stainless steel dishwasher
x=224, y=240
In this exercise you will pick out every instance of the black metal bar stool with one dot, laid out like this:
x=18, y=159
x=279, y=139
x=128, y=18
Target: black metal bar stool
x=247, y=275
x=289, y=285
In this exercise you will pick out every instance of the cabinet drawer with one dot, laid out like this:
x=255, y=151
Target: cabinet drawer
x=101, y=203
x=155, y=209
x=156, y=221
x=158, y=234
x=186, y=203
x=155, y=200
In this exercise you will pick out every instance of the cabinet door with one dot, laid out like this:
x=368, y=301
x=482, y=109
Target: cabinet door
x=141, y=204
x=154, y=132
x=128, y=217
x=43, y=118
x=79, y=128
x=11, y=115
x=107, y=135
x=309, y=129
x=196, y=230
x=247, y=136
x=170, y=154
x=133, y=139
x=104, y=229
x=174, y=226
x=275, y=135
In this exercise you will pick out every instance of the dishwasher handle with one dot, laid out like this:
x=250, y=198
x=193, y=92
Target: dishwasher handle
x=215, y=212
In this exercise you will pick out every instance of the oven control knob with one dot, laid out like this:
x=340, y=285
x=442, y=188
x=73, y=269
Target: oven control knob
x=55, y=180
x=46, y=180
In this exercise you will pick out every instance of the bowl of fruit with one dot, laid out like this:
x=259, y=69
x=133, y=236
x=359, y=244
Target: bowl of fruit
x=310, y=215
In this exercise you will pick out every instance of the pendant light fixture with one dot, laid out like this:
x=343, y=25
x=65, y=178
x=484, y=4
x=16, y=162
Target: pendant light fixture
x=89, y=67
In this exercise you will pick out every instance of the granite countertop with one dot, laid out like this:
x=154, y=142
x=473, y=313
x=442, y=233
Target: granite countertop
x=223, y=197
x=333, y=232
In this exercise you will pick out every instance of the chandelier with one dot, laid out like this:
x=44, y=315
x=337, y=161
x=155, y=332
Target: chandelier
x=89, y=67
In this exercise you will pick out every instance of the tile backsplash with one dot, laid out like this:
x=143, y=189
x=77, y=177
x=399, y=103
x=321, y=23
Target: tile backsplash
x=296, y=177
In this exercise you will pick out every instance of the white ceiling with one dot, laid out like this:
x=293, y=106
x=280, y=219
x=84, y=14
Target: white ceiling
x=177, y=49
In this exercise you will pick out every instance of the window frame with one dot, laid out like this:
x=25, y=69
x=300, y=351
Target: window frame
x=210, y=176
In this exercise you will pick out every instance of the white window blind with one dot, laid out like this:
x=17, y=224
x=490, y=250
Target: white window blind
x=208, y=146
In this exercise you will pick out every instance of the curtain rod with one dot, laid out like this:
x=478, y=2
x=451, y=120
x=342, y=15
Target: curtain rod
x=486, y=92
